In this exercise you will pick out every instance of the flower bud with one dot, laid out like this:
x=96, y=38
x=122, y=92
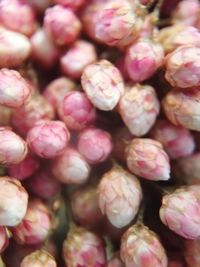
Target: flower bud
x=182, y=108
x=142, y=59
x=182, y=67
x=90, y=250
x=14, y=90
x=103, y=84
x=39, y=258
x=76, y=111
x=13, y=201
x=95, y=145
x=22, y=21
x=140, y=247
x=15, y=48
x=61, y=25
x=41, y=135
x=139, y=108
x=74, y=61
x=146, y=158
x=35, y=226
x=71, y=167
x=180, y=211
x=120, y=195
x=13, y=149
x=177, y=141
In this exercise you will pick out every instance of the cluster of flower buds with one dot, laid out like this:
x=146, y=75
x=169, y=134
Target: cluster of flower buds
x=99, y=133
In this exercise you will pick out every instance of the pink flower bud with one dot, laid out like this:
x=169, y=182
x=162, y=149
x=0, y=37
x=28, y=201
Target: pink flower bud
x=48, y=139
x=121, y=139
x=103, y=84
x=39, y=258
x=95, y=145
x=120, y=195
x=180, y=211
x=43, y=184
x=90, y=252
x=177, y=141
x=191, y=252
x=117, y=23
x=14, y=90
x=71, y=167
x=25, y=168
x=143, y=58
x=15, y=48
x=177, y=35
x=62, y=25
x=182, y=67
x=115, y=261
x=13, y=149
x=73, y=4
x=35, y=226
x=38, y=108
x=139, y=108
x=146, y=158
x=86, y=198
x=22, y=21
x=76, y=111
x=140, y=247
x=80, y=55
x=3, y=239
x=57, y=89
x=44, y=51
x=188, y=169
x=13, y=201
x=182, y=108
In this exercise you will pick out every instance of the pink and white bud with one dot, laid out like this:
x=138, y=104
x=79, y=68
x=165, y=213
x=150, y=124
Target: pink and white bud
x=182, y=108
x=191, y=252
x=180, y=211
x=43, y=184
x=38, y=258
x=13, y=201
x=117, y=23
x=115, y=261
x=95, y=145
x=177, y=141
x=79, y=56
x=90, y=251
x=48, y=139
x=183, y=67
x=103, y=84
x=86, y=198
x=139, y=108
x=73, y=4
x=143, y=58
x=14, y=90
x=4, y=239
x=120, y=195
x=13, y=149
x=187, y=169
x=15, y=48
x=25, y=168
x=121, y=139
x=22, y=21
x=61, y=25
x=38, y=108
x=187, y=12
x=76, y=111
x=141, y=247
x=35, y=226
x=44, y=51
x=57, y=89
x=71, y=167
x=147, y=158
x=178, y=35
